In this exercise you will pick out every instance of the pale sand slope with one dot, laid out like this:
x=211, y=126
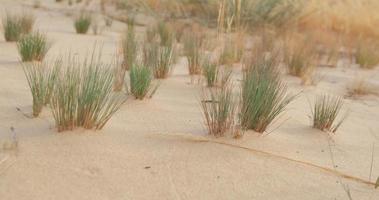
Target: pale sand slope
x=139, y=154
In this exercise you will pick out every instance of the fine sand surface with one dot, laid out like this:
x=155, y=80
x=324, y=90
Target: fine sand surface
x=158, y=148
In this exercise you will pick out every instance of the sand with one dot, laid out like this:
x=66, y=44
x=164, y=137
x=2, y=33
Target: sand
x=158, y=148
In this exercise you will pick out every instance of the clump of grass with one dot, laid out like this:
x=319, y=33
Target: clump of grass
x=159, y=59
x=298, y=57
x=129, y=46
x=233, y=49
x=33, y=47
x=219, y=108
x=166, y=34
x=210, y=72
x=83, y=95
x=82, y=23
x=129, y=55
x=192, y=49
x=12, y=27
x=141, y=82
x=263, y=95
x=367, y=55
x=325, y=113
x=41, y=79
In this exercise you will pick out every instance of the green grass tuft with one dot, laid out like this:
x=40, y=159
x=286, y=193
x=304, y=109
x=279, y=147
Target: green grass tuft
x=33, y=47
x=325, y=112
x=12, y=28
x=82, y=23
x=141, y=82
x=83, y=95
x=264, y=96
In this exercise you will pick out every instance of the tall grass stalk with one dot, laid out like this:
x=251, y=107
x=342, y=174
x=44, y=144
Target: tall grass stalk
x=41, y=80
x=325, y=112
x=263, y=94
x=33, y=47
x=83, y=95
x=219, y=106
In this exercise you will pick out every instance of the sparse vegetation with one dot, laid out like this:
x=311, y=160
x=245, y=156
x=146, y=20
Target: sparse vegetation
x=82, y=23
x=325, y=112
x=219, y=109
x=141, y=82
x=41, y=78
x=263, y=96
x=33, y=47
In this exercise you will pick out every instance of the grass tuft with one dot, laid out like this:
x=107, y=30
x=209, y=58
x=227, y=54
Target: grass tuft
x=163, y=64
x=263, y=95
x=210, y=72
x=83, y=95
x=325, y=112
x=192, y=49
x=298, y=58
x=219, y=106
x=33, y=47
x=12, y=28
x=41, y=79
x=141, y=82
x=82, y=23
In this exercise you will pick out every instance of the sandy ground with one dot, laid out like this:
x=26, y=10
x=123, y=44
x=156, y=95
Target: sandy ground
x=158, y=148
